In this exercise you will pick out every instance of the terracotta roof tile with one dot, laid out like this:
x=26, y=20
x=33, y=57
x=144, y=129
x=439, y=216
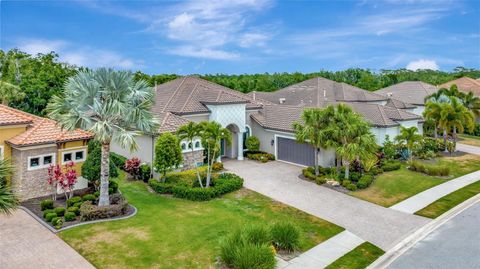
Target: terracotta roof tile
x=11, y=116
x=464, y=84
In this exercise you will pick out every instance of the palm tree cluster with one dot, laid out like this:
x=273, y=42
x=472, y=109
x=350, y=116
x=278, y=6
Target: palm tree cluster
x=111, y=105
x=8, y=199
x=340, y=128
x=452, y=112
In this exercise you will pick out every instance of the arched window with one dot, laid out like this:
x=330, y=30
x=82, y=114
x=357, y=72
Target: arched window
x=189, y=145
x=184, y=146
x=197, y=145
x=246, y=135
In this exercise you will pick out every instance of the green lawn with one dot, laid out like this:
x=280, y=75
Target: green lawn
x=393, y=187
x=448, y=202
x=359, y=258
x=469, y=140
x=174, y=233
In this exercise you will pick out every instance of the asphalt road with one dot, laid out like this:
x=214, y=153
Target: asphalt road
x=455, y=244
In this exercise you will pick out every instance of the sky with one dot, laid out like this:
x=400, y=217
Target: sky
x=247, y=36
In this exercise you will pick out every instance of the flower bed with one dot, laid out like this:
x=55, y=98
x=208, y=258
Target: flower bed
x=259, y=156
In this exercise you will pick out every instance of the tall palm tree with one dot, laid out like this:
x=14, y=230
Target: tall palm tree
x=10, y=92
x=472, y=102
x=433, y=108
x=189, y=132
x=8, y=199
x=112, y=106
x=312, y=130
x=457, y=118
x=410, y=137
x=212, y=135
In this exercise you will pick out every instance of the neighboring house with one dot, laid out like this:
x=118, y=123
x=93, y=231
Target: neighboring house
x=269, y=116
x=411, y=93
x=34, y=143
x=464, y=84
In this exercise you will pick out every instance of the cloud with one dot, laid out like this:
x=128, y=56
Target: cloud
x=204, y=53
x=77, y=55
x=422, y=64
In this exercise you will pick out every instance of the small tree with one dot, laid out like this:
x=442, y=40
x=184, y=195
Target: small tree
x=65, y=178
x=168, y=154
x=189, y=132
x=410, y=137
x=212, y=135
x=253, y=143
x=91, y=168
x=132, y=166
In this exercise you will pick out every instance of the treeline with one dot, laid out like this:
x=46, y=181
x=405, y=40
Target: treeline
x=42, y=76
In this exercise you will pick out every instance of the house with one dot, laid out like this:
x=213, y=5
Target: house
x=268, y=116
x=411, y=93
x=464, y=84
x=34, y=143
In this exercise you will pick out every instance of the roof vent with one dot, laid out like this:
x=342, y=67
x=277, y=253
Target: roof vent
x=281, y=100
x=390, y=94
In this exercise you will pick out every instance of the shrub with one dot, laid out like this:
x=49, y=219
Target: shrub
x=89, y=197
x=132, y=166
x=351, y=187
x=355, y=176
x=217, y=166
x=261, y=156
x=256, y=235
x=117, y=159
x=145, y=172
x=70, y=216
x=73, y=200
x=228, y=247
x=91, y=166
x=365, y=181
x=97, y=194
x=57, y=222
x=391, y=166
x=50, y=216
x=309, y=173
x=320, y=180
x=187, y=177
x=79, y=204
x=160, y=187
x=75, y=210
x=46, y=204
x=88, y=211
x=285, y=236
x=60, y=211
x=47, y=211
x=252, y=143
x=249, y=256
x=114, y=185
x=346, y=182
x=429, y=169
x=225, y=183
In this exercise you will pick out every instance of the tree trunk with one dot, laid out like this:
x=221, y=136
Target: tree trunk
x=347, y=169
x=317, y=152
x=339, y=164
x=104, y=175
x=435, y=134
x=445, y=138
x=454, y=139
x=196, y=168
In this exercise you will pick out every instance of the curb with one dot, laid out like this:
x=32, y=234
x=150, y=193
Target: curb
x=390, y=256
x=55, y=231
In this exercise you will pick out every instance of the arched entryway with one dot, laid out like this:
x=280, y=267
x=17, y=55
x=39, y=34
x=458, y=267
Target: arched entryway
x=235, y=149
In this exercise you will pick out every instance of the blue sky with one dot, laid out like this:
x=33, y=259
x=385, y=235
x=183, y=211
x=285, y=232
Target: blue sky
x=248, y=36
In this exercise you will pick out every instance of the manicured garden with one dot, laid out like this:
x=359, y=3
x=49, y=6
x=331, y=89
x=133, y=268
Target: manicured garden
x=175, y=233
x=449, y=201
x=359, y=258
x=393, y=187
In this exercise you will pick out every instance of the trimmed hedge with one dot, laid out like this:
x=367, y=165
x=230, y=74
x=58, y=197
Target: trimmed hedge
x=429, y=169
x=365, y=181
x=57, y=222
x=224, y=184
x=118, y=207
x=46, y=204
x=70, y=216
x=89, y=197
x=391, y=166
x=74, y=210
x=118, y=159
x=160, y=187
x=60, y=211
x=47, y=211
x=50, y=216
x=72, y=201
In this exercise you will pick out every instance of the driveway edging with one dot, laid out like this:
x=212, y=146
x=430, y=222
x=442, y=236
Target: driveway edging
x=390, y=256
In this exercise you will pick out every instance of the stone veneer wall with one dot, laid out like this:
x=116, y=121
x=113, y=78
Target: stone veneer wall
x=191, y=158
x=30, y=184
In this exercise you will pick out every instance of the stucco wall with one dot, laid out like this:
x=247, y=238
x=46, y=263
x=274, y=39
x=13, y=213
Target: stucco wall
x=197, y=118
x=264, y=136
x=7, y=132
x=381, y=132
x=418, y=110
x=144, y=152
x=228, y=114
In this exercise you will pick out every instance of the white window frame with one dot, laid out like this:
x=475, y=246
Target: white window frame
x=73, y=152
x=187, y=148
x=41, y=164
x=2, y=152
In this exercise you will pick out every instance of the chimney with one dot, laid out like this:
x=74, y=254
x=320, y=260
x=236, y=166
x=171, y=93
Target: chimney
x=254, y=95
x=281, y=100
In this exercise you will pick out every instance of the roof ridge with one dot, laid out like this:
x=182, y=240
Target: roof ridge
x=174, y=93
x=382, y=113
x=189, y=96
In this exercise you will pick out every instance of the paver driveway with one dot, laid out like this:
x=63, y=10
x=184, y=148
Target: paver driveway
x=25, y=243
x=382, y=226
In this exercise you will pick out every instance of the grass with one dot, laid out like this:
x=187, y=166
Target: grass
x=359, y=258
x=449, y=201
x=173, y=233
x=469, y=140
x=393, y=187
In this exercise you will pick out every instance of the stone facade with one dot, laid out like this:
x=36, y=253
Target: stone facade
x=30, y=184
x=192, y=158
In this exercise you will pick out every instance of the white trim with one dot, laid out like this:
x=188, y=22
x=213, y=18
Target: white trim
x=280, y=132
x=2, y=152
x=73, y=148
x=187, y=149
x=41, y=164
x=34, y=147
x=296, y=164
x=74, y=152
x=249, y=129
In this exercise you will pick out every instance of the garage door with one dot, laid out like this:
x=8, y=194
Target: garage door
x=290, y=151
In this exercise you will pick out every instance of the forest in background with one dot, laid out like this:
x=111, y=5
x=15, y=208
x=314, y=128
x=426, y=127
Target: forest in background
x=42, y=76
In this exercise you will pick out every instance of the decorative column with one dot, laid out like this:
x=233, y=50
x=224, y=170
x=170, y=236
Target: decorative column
x=240, y=146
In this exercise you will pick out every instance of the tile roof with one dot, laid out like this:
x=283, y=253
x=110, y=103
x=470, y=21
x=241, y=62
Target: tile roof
x=412, y=92
x=281, y=117
x=10, y=116
x=170, y=123
x=398, y=104
x=40, y=130
x=464, y=84
x=316, y=90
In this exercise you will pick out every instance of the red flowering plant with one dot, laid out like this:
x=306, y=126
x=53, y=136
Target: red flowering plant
x=65, y=178
x=132, y=167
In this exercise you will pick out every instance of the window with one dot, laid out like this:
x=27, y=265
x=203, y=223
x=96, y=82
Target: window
x=2, y=153
x=197, y=145
x=41, y=161
x=184, y=146
x=74, y=156
x=190, y=146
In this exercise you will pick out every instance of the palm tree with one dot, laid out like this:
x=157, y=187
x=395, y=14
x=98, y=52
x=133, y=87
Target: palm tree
x=112, y=106
x=10, y=92
x=312, y=130
x=456, y=117
x=434, y=106
x=472, y=102
x=212, y=135
x=410, y=137
x=8, y=199
x=189, y=132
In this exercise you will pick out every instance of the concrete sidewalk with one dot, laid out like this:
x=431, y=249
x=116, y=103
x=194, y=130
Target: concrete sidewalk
x=423, y=199
x=25, y=243
x=468, y=149
x=325, y=253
